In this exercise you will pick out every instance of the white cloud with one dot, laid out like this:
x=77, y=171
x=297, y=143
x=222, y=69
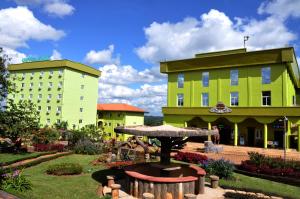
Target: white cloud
x=280, y=8
x=14, y=56
x=213, y=31
x=104, y=56
x=55, y=55
x=19, y=25
x=59, y=8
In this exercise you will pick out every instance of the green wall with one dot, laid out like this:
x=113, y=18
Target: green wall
x=249, y=87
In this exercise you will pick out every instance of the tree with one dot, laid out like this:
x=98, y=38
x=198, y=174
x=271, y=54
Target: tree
x=19, y=120
x=5, y=84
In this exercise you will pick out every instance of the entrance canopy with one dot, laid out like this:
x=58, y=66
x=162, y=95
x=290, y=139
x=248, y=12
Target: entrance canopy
x=164, y=131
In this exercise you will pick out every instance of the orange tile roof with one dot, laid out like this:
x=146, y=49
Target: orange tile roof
x=119, y=107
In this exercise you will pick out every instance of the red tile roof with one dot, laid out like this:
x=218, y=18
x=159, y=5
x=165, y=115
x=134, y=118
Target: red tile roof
x=119, y=107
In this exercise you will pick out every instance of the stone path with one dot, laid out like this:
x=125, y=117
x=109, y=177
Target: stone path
x=24, y=162
x=236, y=154
x=4, y=195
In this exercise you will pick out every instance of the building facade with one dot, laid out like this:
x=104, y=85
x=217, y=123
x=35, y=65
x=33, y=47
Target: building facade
x=249, y=96
x=62, y=90
x=114, y=115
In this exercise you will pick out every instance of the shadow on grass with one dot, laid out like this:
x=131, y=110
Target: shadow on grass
x=100, y=176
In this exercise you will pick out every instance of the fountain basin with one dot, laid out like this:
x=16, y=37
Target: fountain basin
x=160, y=180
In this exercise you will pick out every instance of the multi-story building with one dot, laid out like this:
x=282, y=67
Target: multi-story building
x=249, y=96
x=114, y=115
x=62, y=90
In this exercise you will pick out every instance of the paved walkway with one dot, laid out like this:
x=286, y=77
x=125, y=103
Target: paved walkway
x=236, y=154
x=24, y=162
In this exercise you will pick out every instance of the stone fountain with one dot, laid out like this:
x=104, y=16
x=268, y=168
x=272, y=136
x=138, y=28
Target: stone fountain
x=164, y=179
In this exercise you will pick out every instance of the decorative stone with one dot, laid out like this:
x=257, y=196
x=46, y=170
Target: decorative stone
x=110, y=180
x=232, y=191
x=190, y=196
x=242, y=192
x=148, y=196
x=214, y=181
x=276, y=197
x=115, y=191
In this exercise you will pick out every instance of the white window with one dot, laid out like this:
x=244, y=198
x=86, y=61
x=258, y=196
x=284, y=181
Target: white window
x=48, y=121
x=50, y=84
x=60, y=84
x=22, y=96
x=23, y=75
x=59, y=96
x=258, y=134
x=234, y=77
x=82, y=75
x=58, y=110
x=180, y=99
x=180, y=81
x=82, y=86
x=40, y=96
x=23, y=85
x=266, y=75
x=30, y=96
x=205, y=79
x=266, y=98
x=31, y=85
x=32, y=75
x=60, y=72
x=205, y=99
x=41, y=73
x=234, y=98
x=51, y=73
x=81, y=97
x=81, y=110
x=40, y=84
x=49, y=97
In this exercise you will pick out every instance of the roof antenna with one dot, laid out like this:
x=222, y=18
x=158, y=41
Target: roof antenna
x=246, y=38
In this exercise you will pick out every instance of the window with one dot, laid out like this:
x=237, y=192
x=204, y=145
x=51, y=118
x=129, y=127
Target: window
x=179, y=99
x=81, y=110
x=266, y=75
x=58, y=121
x=60, y=72
x=32, y=75
x=258, y=134
x=180, y=81
x=51, y=72
x=31, y=85
x=50, y=84
x=234, y=98
x=39, y=108
x=58, y=109
x=60, y=84
x=59, y=96
x=30, y=96
x=22, y=96
x=40, y=96
x=109, y=124
x=294, y=103
x=23, y=85
x=48, y=108
x=40, y=84
x=205, y=101
x=82, y=75
x=49, y=97
x=234, y=77
x=82, y=86
x=23, y=76
x=81, y=97
x=41, y=74
x=205, y=79
x=266, y=98
x=80, y=121
x=48, y=121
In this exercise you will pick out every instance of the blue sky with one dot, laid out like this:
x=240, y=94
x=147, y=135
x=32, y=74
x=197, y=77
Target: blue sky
x=126, y=39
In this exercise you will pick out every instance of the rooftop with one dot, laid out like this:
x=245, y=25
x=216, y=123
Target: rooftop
x=55, y=64
x=119, y=107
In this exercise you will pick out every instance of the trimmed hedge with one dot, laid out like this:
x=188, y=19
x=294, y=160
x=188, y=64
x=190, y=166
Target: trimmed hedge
x=64, y=169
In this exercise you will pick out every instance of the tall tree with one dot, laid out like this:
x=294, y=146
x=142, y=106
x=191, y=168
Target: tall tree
x=5, y=84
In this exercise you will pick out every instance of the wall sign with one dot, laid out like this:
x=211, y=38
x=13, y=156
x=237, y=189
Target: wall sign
x=220, y=108
x=33, y=59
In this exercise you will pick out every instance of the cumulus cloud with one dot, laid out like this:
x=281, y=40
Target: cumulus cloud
x=104, y=56
x=59, y=8
x=213, y=31
x=14, y=56
x=55, y=55
x=18, y=25
x=280, y=8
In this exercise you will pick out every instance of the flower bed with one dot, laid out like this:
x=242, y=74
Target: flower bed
x=191, y=157
x=49, y=147
x=259, y=163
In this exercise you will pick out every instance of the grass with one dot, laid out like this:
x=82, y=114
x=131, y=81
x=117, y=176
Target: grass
x=243, y=182
x=11, y=157
x=51, y=187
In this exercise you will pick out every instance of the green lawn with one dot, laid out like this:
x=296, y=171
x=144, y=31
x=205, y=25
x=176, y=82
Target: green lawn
x=261, y=185
x=51, y=187
x=7, y=157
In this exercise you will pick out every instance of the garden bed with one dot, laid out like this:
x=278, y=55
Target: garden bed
x=10, y=158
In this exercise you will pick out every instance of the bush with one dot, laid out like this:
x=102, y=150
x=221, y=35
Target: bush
x=45, y=136
x=64, y=169
x=16, y=181
x=191, y=157
x=222, y=168
x=87, y=147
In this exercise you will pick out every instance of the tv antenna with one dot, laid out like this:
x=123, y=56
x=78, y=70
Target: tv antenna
x=246, y=38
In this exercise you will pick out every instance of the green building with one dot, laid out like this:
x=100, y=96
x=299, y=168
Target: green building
x=249, y=96
x=62, y=90
x=113, y=115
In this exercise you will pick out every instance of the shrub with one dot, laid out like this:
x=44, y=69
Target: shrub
x=64, y=169
x=191, y=157
x=16, y=181
x=222, y=168
x=45, y=136
x=87, y=147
